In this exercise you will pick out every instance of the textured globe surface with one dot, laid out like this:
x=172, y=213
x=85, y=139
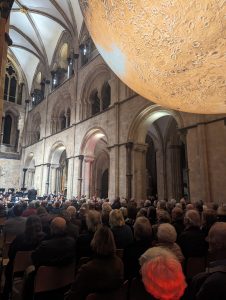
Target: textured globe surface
x=171, y=52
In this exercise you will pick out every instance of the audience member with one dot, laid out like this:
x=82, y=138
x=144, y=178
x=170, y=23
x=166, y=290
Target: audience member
x=162, y=274
x=16, y=224
x=211, y=284
x=167, y=238
x=142, y=241
x=103, y=273
x=192, y=240
x=123, y=234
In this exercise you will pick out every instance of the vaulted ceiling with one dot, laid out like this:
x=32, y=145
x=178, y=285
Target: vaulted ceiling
x=35, y=28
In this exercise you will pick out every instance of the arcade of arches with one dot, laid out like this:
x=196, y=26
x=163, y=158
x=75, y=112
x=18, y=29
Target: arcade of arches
x=75, y=128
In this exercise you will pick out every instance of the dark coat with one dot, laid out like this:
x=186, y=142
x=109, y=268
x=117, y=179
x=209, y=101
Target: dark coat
x=59, y=250
x=123, y=236
x=131, y=257
x=192, y=242
x=101, y=274
x=209, y=286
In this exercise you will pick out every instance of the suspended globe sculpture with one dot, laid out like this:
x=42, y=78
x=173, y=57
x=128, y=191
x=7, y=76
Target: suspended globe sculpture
x=172, y=52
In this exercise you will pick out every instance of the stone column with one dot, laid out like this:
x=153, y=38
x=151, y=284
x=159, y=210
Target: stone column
x=24, y=177
x=53, y=176
x=129, y=175
x=88, y=175
x=203, y=163
x=80, y=168
x=5, y=41
x=176, y=179
x=139, y=171
x=47, y=179
x=2, y=130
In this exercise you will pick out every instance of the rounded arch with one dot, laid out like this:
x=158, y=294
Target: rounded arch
x=90, y=140
x=147, y=116
x=28, y=160
x=89, y=85
x=55, y=152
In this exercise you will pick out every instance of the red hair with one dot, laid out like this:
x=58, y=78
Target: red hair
x=163, y=278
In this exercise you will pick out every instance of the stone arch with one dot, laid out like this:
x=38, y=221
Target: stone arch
x=61, y=113
x=148, y=116
x=29, y=164
x=93, y=81
x=58, y=172
x=94, y=150
x=156, y=122
x=10, y=128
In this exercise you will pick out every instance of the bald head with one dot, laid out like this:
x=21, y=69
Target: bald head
x=217, y=238
x=58, y=226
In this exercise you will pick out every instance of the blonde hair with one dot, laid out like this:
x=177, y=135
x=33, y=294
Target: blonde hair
x=116, y=218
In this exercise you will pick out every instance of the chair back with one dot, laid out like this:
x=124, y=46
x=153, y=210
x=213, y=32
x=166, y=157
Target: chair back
x=8, y=239
x=22, y=261
x=50, y=278
x=194, y=266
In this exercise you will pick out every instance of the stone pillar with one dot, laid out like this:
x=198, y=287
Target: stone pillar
x=88, y=175
x=2, y=130
x=176, y=179
x=113, y=82
x=80, y=168
x=24, y=177
x=53, y=176
x=129, y=174
x=139, y=171
x=5, y=41
x=47, y=179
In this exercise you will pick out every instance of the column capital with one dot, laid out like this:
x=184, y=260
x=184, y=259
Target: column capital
x=129, y=145
x=89, y=158
x=81, y=157
x=140, y=147
x=25, y=170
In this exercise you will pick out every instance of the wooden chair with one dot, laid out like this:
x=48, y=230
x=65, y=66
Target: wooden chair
x=119, y=294
x=194, y=266
x=21, y=262
x=7, y=240
x=53, y=278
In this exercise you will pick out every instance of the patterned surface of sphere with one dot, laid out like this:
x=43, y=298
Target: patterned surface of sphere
x=172, y=52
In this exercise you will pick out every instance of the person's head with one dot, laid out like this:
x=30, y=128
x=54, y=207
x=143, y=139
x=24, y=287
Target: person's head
x=116, y=218
x=33, y=227
x=142, y=229
x=190, y=206
x=162, y=274
x=17, y=210
x=161, y=204
x=71, y=210
x=177, y=214
x=192, y=218
x=93, y=220
x=217, y=239
x=142, y=212
x=166, y=233
x=58, y=226
x=106, y=208
x=103, y=243
x=41, y=211
x=163, y=216
x=209, y=217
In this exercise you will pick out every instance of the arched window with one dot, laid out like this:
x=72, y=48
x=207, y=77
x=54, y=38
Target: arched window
x=106, y=95
x=63, y=122
x=95, y=103
x=11, y=82
x=7, y=130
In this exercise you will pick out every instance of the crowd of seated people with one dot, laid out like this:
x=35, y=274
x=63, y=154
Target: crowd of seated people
x=156, y=240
